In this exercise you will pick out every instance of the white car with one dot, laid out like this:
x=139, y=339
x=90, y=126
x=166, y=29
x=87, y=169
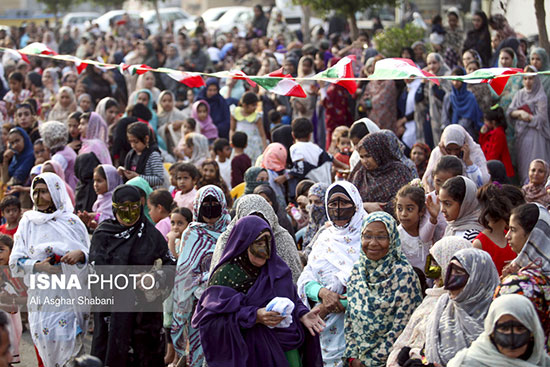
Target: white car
x=166, y=15
x=209, y=16
x=104, y=21
x=81, y=21
x=235, y=16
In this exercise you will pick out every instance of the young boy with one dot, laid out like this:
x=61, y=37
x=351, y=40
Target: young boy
x=173, y=183
x=11, y=210
x=274, y=118
x=187, y=176
x=222, y=149
x=240, y=162
x=343, y=145
x=160, y=205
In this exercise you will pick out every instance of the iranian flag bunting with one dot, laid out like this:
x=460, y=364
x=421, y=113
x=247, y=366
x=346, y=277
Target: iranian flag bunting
x=192, y=80
x=280, y=83
x=491, y=76
x=342, y=69
x=37, y=48
x=398, y=68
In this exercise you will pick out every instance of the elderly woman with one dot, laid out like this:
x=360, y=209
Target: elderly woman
x=383, y=292
x=456, y=141
x=413, y=337
x=51, y=233
x=250, y=314
x=512, y=337
x=55, y=135
x=457, y=319
x=380, y=175
x=324, y=279
x=256, y=205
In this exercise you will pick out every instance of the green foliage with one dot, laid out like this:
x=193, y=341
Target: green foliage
x=346, y=7
x=57, y=6
x=390, y=42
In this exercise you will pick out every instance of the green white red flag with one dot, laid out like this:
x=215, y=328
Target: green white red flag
x=342, y=69
x=398, y=68
x=280, y=83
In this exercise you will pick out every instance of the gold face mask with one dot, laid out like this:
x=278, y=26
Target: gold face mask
x=261, y=247
x=129, y=211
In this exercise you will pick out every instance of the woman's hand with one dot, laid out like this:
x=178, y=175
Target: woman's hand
x=130, y=174
x=15, y=189
x=73, y=257
x=433, y=208
x=442, y=148
x=44, y=266
x=313, y=322
x=8, y=155
x=268, y=318
x=331, y=301
x=511, y=268
x=466, y=157
x=356, y=363
x=323, y=312
x=176, y=125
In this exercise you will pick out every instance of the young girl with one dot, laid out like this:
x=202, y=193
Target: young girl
x=460, y=208
x=194, y=148
x=410, y=208
x=187, y=176
x=144, y=159
x=420, y=155
x=73, y=123
x=17, y=93
x=201, y=113
x=26, y=118
x=106, y=180
x=170, y=120
x=18, y=158
x=41, y=153
x=160, y=204
x=274, y=161
x=245, y=118
x=179, y=220
x=492, y=138
x=497, y=201
x=190, y=126
x=210, y=175
x=108, y=108
x=64, y=106
x=535, y=190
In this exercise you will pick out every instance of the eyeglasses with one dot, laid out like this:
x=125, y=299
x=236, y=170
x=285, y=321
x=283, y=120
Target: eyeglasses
x=368, y=237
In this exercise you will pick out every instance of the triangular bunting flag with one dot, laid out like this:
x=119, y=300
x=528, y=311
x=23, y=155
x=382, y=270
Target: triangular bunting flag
x=37, y=48
x=139, y=69
x=489, y=76
x=397, y=68
x=191, y=80
x=342, y=69
x=280, y=83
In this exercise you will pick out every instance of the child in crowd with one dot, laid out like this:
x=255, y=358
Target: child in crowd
x=210, y=175
x=194, y=148
x=336, y=134
x=420, y=155
x=241, y=161
x=274, y=161
x=245, y=118
x=497, y=202
x=41, y=152
x=74, y=133
x=201, y=114
x=274, y=118
x=222, y=149
x=187, y=176
x=492, y=138
x=343, y=148
x=190, y=126
x=160, y=204
x=10, y=206
x=17, y=93
x=179, y=220
x=173, y=182
x=144, y=159
x=460, y=207
x=409, y=209
x=535, y=190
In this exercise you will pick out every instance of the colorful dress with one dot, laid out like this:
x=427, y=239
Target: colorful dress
x=247, y=124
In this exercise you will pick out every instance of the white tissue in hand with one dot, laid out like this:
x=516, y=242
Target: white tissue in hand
x=284, y=307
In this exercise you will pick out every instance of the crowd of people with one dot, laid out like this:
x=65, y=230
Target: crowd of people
x=404, y=225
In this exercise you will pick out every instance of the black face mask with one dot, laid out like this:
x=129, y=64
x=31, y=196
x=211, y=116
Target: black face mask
x=337, y=211
x=210, y=208
x=454, y=281
x=511, y=340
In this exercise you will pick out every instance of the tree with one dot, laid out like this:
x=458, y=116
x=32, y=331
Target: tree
x=540, y=13
x=347, y=8
x=390, y=41
x=57, y=6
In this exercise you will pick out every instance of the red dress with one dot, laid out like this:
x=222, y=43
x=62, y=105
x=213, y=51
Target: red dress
x=500, y=256
x=494, y=146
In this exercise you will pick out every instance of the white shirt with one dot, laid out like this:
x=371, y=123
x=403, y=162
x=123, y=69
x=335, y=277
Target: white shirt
x=225, y=171
x=414, y=249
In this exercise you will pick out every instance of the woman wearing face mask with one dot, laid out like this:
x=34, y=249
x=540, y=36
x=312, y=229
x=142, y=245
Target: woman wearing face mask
x=256, y=205
x=457, y=319
x=126, y=338
x=412, y=339
x=528, y=237
x=271, y=197
x=512, y=337
x=210, y=219
x=383, y=292
x=317, y=213
x=324, y=279
x=236, y=323
x=47, y=235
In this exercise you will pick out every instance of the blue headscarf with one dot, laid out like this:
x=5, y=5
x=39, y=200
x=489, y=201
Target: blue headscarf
x=22, y=163
x=153, y=123
x=219, y=109
x=465, y=106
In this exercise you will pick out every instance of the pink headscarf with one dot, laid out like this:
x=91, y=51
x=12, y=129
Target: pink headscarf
x=97, y=137
x=208, y=128
x=274, y=158
x=59, y=171
x=104, y=203
x=97, y=128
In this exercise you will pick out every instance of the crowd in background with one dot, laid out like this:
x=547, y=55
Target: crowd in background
x=403, y=225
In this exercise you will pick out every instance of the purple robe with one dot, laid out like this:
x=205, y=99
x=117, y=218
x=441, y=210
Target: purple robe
x=226, y=318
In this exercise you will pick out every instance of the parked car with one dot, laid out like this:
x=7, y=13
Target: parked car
x=104, y=21
x=235, y=16
x=293, y=15
x=166, y=15
x=210, y=15
x=80, y=20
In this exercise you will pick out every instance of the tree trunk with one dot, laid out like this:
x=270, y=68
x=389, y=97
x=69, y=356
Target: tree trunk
x=353, y=30
x=306, y=30
x=540, y=13
x=156, y=4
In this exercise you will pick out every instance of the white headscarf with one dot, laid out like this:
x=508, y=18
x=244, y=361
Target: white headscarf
x=468, y=216
x=483, y=352
x=457, y=135
x=372, y=128
x=537, y=246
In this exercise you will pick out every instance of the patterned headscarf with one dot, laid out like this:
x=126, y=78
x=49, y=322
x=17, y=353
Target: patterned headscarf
x=251, y=179
x=382, y=296
x=457, y=322
x=397, y=147
x=537, y=193
x=317, y=213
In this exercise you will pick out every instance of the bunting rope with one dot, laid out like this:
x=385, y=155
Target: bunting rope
x=278, y=82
